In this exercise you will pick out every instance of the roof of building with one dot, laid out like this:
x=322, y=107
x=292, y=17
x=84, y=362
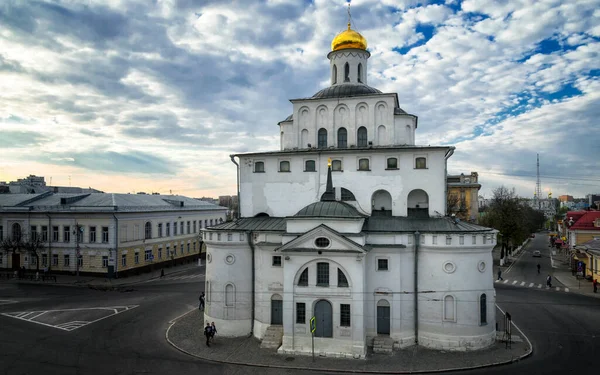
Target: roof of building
x=586, y=221
x=329, y=209
x=334, y=150
x=592, y=245
x=262, y=223
x=103, y=201
x=345, y=90
x=411, y=224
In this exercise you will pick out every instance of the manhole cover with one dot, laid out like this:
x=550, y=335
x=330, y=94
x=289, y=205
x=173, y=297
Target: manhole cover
x=289, y=359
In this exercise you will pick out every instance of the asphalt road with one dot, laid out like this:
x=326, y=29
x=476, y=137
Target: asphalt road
x=563, y=327
x=525, y=268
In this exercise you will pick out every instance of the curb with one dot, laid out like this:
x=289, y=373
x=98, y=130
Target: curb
x=335, y=370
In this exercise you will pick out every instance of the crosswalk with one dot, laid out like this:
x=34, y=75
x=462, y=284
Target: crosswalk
x=530, y=285
x=174, y=278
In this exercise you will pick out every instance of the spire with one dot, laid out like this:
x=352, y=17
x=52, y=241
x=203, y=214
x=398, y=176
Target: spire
x=329, y=193
x=349, y=16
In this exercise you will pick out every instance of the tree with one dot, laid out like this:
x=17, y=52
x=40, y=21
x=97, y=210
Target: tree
x=11, y=245
x=456, y=205
x=32, y=246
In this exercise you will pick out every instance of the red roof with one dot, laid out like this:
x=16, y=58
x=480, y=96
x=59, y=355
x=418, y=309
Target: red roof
x=586, y=221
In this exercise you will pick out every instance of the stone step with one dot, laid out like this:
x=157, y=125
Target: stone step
x=383, y=345
x=272, y=338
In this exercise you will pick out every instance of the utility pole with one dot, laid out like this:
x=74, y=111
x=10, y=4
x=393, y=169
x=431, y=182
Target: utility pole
x=538, y=186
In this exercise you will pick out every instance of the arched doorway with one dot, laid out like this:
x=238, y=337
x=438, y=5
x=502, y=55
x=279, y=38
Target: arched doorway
x=381, y=203
x=323, y=317
x=276, y=310
x=383, y=317
x=418, y=203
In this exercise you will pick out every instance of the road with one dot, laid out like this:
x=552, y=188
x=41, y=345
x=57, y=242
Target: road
x=84, y=331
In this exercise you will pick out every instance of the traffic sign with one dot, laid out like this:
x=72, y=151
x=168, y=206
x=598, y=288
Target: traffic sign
x=313, y=324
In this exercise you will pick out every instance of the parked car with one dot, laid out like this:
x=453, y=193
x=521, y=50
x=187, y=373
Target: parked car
x=532, y=235
x=537, y=254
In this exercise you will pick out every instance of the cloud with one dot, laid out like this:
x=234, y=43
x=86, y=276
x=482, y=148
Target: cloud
x=20, y=139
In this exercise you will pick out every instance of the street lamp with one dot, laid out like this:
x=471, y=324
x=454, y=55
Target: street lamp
x=78, y=231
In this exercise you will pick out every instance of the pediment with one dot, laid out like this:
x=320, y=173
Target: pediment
x=336, y=242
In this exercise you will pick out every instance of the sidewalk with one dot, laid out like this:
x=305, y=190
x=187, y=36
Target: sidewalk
x=104, y=283
x=562, y=274
x=186, y=334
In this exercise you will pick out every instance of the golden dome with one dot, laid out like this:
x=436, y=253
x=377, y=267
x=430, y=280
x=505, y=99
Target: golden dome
x=348, y=39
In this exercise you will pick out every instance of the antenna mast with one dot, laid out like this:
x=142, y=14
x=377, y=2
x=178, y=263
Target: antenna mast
x=538, y=185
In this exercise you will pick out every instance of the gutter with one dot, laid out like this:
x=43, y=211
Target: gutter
x=449, y=153
x=252, y=249
x=237, y=175
x=416, y=291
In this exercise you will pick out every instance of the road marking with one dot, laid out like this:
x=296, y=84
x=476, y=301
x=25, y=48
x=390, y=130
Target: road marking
x=530, y=285
x=505, y=281
x=557, y=289
x=523, y=283
x=567, y=290
x=514, y=282
x=7, y=301
x=497, y=281
x=539, y=286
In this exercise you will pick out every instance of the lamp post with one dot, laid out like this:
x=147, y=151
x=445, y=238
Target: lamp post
x=77, y=232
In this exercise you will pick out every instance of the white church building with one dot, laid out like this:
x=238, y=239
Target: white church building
x=346, y=223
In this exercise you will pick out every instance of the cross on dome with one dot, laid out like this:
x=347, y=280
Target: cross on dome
x=348, y=38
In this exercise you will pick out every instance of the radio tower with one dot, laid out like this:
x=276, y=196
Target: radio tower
x=538, y=186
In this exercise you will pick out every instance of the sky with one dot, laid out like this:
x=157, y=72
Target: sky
x=129, y=96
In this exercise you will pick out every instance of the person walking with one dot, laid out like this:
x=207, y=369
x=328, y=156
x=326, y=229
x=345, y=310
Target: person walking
x=201, y=299
x=595, y=283
x=549, y=281
x=213, y=331
x=538, y=267
x=208, y=333
x=500, y=275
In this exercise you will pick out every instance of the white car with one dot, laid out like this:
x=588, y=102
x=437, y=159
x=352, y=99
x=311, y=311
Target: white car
x=537, y=254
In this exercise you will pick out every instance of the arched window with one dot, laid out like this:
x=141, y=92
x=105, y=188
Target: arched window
x=483, y=308
x=304, y=138
x=342, y=138
x=309, y=166
x=420, y=163
x=360, y=73
x=284, y=166
x=449, y=308
x=392, y=163
x=229, y=295
x=346, y=73
x=342, y=280
x=148, y=231
x=303, y=280
x=322, y=138
x=16, y=232
x=362, y=137
x=259, y=167
x=334, y=75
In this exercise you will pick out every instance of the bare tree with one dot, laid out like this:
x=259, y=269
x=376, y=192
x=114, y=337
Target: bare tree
x=32, y=246
x=11, y=245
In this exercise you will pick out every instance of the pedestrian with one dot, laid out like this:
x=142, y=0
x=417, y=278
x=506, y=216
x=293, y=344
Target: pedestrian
x=595, y=285
x=213, y=331
x=538, y=267
x=162, y=272
x=208, y=333
x=201, y=299
x=500, y=275
x=549, y=281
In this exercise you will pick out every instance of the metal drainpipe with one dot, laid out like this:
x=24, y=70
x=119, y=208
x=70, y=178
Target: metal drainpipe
x=251, y=244
x=238, y=185
x=49, y=242
x=116, y=244
x=417, y=241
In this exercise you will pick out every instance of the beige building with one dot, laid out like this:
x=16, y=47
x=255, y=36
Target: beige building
x=113, y=233
x=463, y=196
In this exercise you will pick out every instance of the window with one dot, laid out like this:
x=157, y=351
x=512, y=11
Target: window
x=1, y=233
x=449, y=308
x=229, y=237
x=229, y=295
x=188, y=248
x=136, y=258
x=34, y=233
x=168, y=252
x=322, y=242
x=160, y=253
x=104, y=234
x=80, y=261
x=474, y=240
x=334, y=75
x=160, y=230
x=181, y=228
x=92, y=234
x=303, y=280
x=448, y=240
x=218, y=236
x=484, y=239
x=336, y=165
x=44, y=260
x=392, y=163
x=309, y=166
x=208, y=291
x=284, y=166
x=322, y=138
x=461, y=240
x=123, y=260
x=147, y=255
x=360, y=72
x=168, y=230
x=346, y=72
x=175, y=229
x=300, y=313
x=362, y=137
x=210, y=236
x=420, y=163
x=55, y=259
x=363, y=164
x=189, y=227
x=67, y=260
x=181, y=249
x=148, y=230
x=434, y=240
x=259, y=167
x=322, y=274
x=105, y=261
x=195, y=231
x=16, y=232
x=342, y=280
x=276, y=261
x=194, y=246
x=483, y=309
x=211, y=222
x=55, y=233
x=382, y=264
x=66, y=233
x=342, y=138
x=241, y=236
x=345, y=315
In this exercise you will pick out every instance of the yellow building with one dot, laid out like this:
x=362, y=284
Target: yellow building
x=101, y=233
x=462, y=196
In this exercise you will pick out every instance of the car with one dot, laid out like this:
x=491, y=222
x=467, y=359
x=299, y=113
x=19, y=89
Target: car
x=537, y=254
x=532, y=235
